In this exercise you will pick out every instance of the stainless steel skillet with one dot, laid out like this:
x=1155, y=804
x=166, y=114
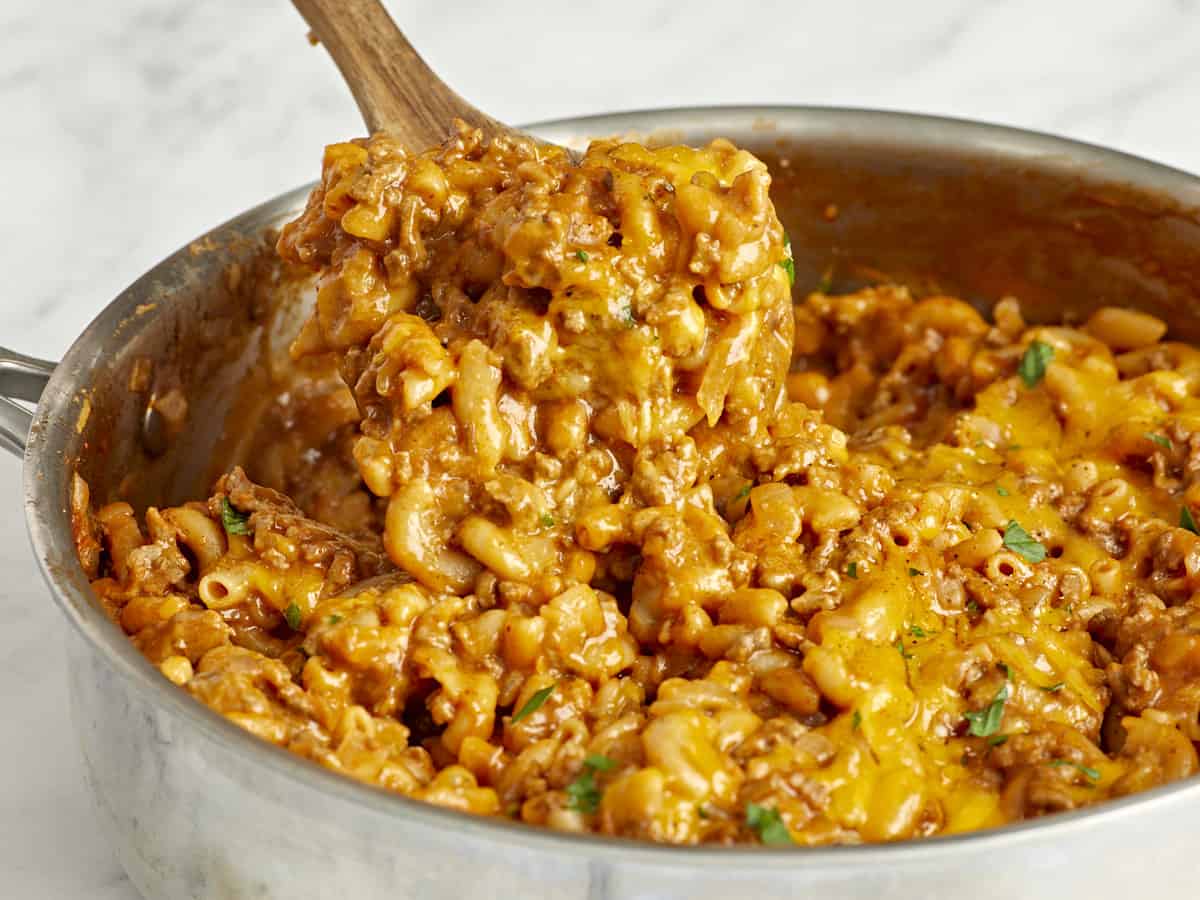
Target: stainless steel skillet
x=197, y=808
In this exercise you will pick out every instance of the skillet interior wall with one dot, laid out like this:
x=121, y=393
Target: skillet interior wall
x=982, y=227
x=153, y=421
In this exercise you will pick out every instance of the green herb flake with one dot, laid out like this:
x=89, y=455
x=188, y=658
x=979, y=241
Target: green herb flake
x=1001, y=490
x=1019, y=541
x=581, y=255
x=852, y=570
x=972, y=608
x=1161, y=439
x=825, y=285
x=1087, y=771
x=787, y=263
x=790, y=267
x=292, y=614
x=702, y=812
x=534, y=703
x=768, y=825
x=1004, y=667
x=1187, y=521
x=913, y=573
x=583, y=795
x=235, y=522
x=627, y=317
x=334, y=619
x=743, y=493
x=904, y=654
x=547, y=521
x=918, y=632
x=986, y=722
x=1032, y=367
x=1053, y=688
x=598, y=762
x=856, y=721
x=998, y=740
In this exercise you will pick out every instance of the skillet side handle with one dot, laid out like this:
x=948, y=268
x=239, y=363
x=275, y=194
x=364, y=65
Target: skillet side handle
x=21, y=378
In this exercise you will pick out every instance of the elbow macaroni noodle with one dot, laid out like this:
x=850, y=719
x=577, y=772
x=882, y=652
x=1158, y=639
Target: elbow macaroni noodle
x=620, y=539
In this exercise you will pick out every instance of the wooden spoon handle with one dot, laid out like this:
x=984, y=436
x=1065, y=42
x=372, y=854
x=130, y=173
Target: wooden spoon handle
x=394, y=88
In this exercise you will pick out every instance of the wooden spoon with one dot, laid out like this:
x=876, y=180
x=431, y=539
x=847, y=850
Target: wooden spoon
x=395, y=89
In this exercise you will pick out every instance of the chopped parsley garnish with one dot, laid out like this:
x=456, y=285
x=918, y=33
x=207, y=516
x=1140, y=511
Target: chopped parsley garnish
x=1186, y=520
x=1053, y=688
x=292, y=614
x=1001, y=490
x=534, y=703
x=1032, y=367
x=547, y=521
x=986, y=721
x=913, y=573
x=790, y=267
x=582, y=794
x=856, y=721
x=1087, y=771
x=768, y=825
x=972, y=607
x=997, y=740
x=1018, y=540
x=581, y=255
x=743, y=493
x=852, y=570
x=1161, y=439
x=918, y=632
x=598, y=762
x=334, y=619
x=235, y=522
x=904, y=654
x=787, y=263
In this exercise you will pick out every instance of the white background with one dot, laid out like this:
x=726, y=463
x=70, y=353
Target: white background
x=128, y=127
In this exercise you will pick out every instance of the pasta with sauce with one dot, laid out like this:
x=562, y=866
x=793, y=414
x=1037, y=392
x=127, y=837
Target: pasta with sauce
x=610, y=535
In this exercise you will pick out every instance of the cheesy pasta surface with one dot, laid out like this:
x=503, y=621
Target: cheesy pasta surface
x=604, y=531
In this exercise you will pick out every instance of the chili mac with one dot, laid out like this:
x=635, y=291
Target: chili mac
x=608, y=527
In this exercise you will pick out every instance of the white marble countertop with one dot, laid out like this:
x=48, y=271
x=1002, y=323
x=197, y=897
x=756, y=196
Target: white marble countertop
x=131, y=126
